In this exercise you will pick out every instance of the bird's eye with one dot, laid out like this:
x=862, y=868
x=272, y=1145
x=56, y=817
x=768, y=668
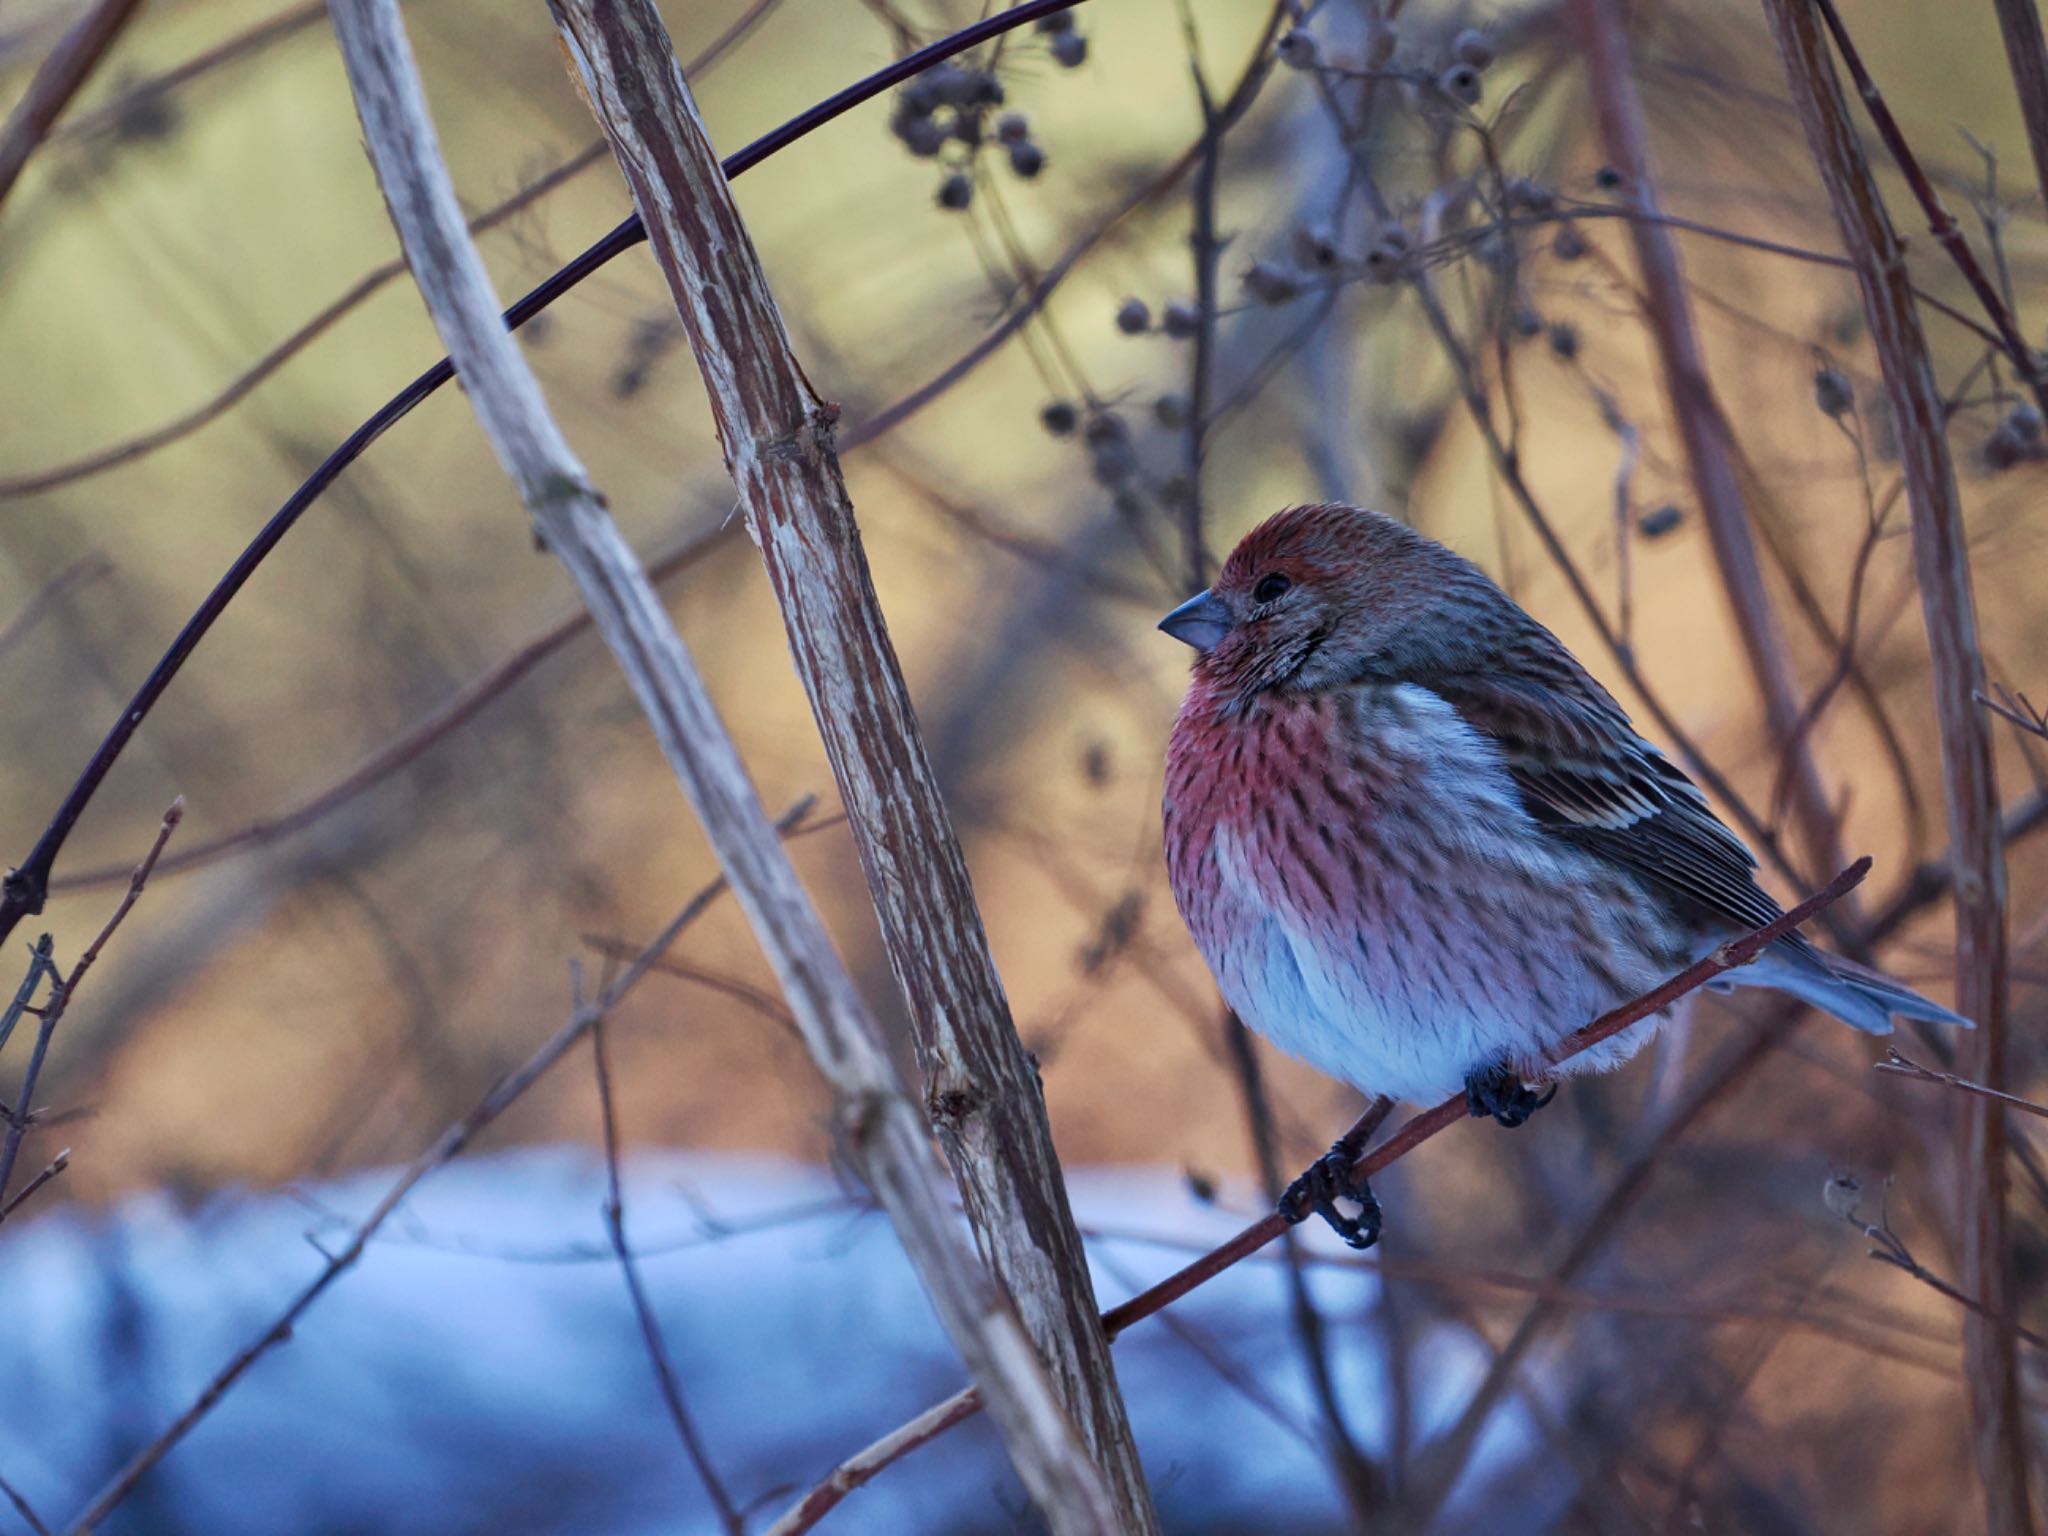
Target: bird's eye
x=1270, y=588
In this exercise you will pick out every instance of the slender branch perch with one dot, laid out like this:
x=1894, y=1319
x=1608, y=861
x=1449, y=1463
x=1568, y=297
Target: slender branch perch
x=1412, y=1134
x=980, y=1086
x=886, y=1133
x=1941, y=559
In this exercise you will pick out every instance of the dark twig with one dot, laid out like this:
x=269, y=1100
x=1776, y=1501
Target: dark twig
x=643, y=1309
x=61, y=995
x=1420, y=1128
x=1889, y=1248
x=56, y=82
x=1363, y=1484
x=80, y=571
x=21, y=1507
x=27, y=885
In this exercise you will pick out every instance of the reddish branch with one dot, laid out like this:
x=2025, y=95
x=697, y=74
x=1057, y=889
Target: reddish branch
x=980, y=1086
x=1411, y=1134
x=1602, y=28
x=1942, y=564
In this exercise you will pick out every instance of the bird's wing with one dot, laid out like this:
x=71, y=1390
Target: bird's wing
x=1588, y=778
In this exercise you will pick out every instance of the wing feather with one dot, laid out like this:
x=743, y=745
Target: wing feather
x=1587, y=777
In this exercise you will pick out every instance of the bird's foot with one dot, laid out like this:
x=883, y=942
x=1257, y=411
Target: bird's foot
x=1501, y=1093
x=1330, y=1178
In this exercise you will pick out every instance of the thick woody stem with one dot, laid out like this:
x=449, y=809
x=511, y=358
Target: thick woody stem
x=1941, y=559
x=1603, y=32
x=887, y=1135
x=980, y=1086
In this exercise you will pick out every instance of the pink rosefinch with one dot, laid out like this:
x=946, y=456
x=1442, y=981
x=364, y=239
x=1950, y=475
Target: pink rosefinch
x=1418, y=845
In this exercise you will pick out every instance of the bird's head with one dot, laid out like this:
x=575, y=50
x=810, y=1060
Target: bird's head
x=1323, y=594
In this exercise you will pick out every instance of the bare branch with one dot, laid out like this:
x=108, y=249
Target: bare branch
x=643, y=1309
x=56, y=82
x=1602, y=27
x=1941, y=558
x=884, y=1129
x=1896, y=1064
x=979, y=1084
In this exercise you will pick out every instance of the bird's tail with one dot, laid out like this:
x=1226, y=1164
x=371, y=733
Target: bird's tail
x=1855, y=994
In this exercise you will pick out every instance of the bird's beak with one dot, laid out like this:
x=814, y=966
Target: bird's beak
x=1202, y=621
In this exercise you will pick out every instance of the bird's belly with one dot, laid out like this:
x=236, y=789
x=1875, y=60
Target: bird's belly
x=1423, y=949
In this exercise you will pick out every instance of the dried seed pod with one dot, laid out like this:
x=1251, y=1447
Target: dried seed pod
x=1297, y=49
x=1171, y=412
x=1013, y=127
x=1058, y=21
x=1472, y=47
x=1133, y=317
x=1608, y=179
x=1386, y=259
x=1568, y=244
x=1526, y=323
x=1070, y=49
x=1659, y=521
x=1270, y=283
x=1526, y=192
x=956, y=192
x=2003, y=448
x=2025, y=420
x=1026, y=158
x=1842, y=1195
x=1460, y=82
x=1059, y=417
x=1832, y=392
x=1180, y=319
x=1315, y=246
x=1564, y=341
x=921, y=136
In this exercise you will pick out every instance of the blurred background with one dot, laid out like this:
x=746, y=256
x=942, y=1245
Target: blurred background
x=416, y=791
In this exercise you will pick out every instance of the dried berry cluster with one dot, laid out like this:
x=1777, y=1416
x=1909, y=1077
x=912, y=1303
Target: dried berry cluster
x=944, y=114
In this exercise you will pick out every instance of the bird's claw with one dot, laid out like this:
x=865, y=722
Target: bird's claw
x=1501, y=1093
x=1330, y=1178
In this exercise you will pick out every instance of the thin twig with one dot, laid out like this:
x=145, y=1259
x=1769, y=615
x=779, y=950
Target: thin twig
x=862, y=1465
x=1897, y=1064
x=21, y=1507
x=61, y=996
x=2026, y=52
x=110, y=115
x=643, y=1309
x=77, y=53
